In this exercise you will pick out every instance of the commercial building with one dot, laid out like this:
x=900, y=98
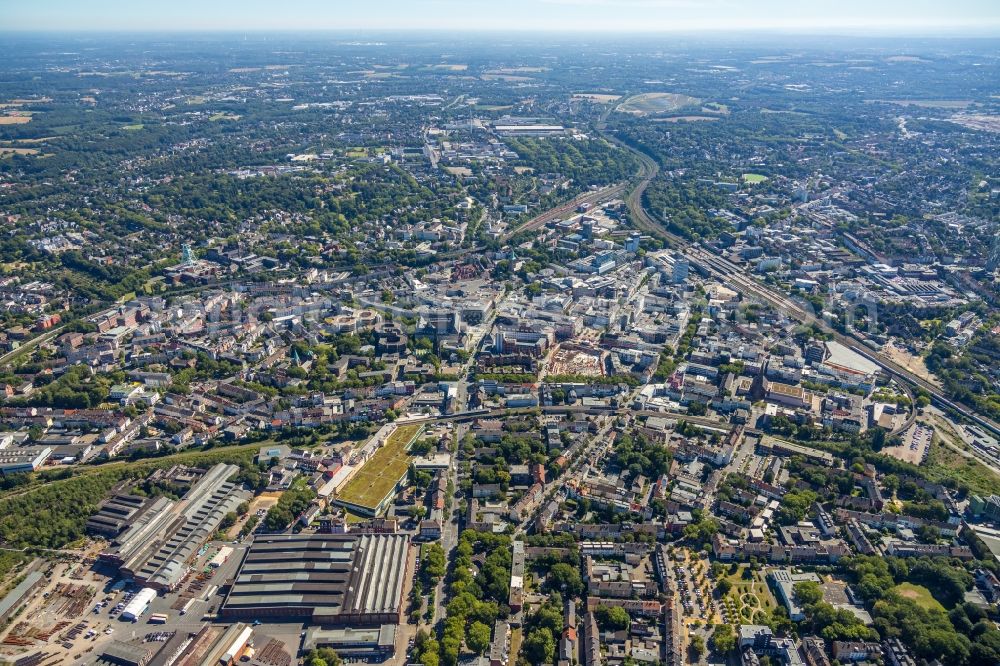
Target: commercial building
x=784, y=581
x=23, y=460
x=139, y=604
x=331, y=579
x=353, y=642
x=781, y=447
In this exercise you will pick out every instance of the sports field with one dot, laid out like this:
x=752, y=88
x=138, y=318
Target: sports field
x=647, y=104
x=382, y=472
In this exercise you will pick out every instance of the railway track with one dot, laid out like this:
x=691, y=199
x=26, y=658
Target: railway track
x=541, y=219
x=734, y=276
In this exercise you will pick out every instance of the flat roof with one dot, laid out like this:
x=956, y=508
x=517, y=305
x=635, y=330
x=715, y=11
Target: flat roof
x=383, y=636
x=785, y=389
x=846, y=357
x=127, y=652
x=773, y=442
x=528, y=128
x=380, y=473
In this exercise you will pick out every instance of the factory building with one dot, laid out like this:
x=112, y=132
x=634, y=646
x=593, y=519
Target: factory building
x=16, y=597
x=23, y=460
x=214, y=645
x=154, y=550
x=330, y=579
x=119, y=513
x=127, y=654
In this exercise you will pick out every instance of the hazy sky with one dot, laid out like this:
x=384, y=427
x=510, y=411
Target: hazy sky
x=916, y=16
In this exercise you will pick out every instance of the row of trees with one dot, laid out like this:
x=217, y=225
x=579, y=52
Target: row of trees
x=962, y=635
x=477, y=600
x=290, y=505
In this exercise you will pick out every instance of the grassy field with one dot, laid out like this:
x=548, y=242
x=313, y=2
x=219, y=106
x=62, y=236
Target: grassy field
x=383, y=470
x=715, y=107
x=686, y=119
x=944, y=463
x=15, y=120
x=749, y=597
x=919, y=594
x=6, y=150
x=599, y=98
x=754, y=178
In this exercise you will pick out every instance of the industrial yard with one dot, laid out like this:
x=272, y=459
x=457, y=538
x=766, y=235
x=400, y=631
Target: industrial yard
x=158, y=585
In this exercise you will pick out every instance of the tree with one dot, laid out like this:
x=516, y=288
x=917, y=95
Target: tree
x=540, y=646
x=702, y=531
x=433, y=563
x=794, y=506
x=565, y=577
x=724, y=586
x=696, y=408
x=228, y=521
x=612, y=618
x=550, y=617
x=808, y=592
x=928, y=533
x=723, y=639
x=698, y=645
x=322, y=657
x=478, y=637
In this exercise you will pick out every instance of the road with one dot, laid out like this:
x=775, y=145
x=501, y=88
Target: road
x=735, y=277
x=47, y=336
x=569, y=409
x=585, y=449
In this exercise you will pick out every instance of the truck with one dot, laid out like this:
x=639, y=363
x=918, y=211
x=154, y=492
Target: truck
x=158, y=618
x=187, y=606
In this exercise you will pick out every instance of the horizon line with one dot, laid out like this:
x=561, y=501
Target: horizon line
x=976, y=31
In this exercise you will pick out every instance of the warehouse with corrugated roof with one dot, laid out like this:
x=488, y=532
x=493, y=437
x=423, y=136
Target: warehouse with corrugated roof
x=156, y=548
x=352, y=579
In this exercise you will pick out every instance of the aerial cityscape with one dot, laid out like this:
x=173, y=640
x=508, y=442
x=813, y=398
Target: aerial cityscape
x=324, y=345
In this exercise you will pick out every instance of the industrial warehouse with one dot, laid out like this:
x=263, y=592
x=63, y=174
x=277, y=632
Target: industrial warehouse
x=341, y=579
x=215, y=646
x=159, y=536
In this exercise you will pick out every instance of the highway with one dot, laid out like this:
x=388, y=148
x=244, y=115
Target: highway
x=735, y=277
